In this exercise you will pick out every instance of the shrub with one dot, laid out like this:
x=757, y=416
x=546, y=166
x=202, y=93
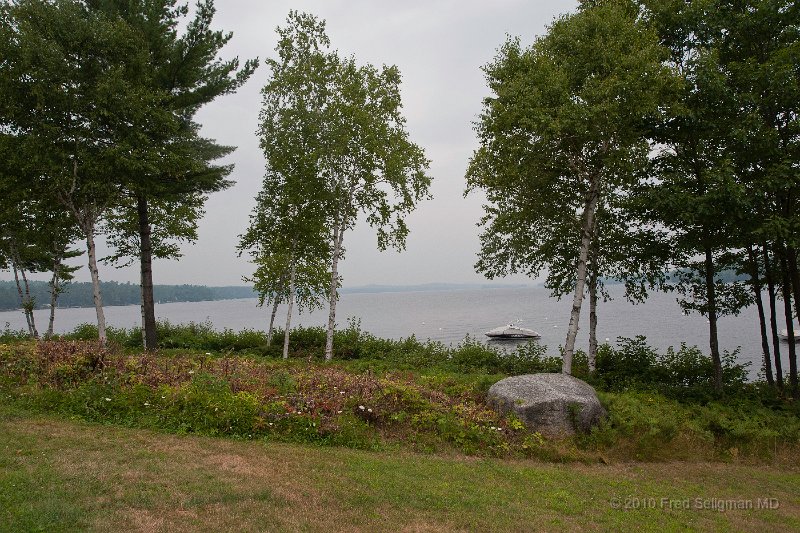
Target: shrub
x=8, y=335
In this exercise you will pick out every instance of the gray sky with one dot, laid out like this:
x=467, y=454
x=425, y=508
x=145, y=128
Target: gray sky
x=439, y=47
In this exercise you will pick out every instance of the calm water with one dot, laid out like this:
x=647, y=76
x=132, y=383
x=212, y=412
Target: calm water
x=449, y=316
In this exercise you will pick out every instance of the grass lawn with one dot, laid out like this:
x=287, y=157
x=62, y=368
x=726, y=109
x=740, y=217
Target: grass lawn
x=58, y=475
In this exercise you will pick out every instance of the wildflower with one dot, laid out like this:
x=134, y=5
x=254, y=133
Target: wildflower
x=270, y=423
x=338, y=412
x=108, y=399
x=191, y=371
x=147, y=404
x=163, y=397
x=361, y=407
x=369, y=410
x=341, y=392
x=208, y=353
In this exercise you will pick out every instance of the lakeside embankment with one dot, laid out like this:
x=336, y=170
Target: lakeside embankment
x=380, y=393
x=449, y=316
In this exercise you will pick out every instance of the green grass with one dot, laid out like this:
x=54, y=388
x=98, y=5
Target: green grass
x=58, y=475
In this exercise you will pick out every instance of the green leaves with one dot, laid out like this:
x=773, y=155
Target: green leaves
x=566, y=111
x=336, y=147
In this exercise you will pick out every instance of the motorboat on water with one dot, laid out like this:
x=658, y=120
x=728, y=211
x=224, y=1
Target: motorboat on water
x=511, y=331
x=784, y=334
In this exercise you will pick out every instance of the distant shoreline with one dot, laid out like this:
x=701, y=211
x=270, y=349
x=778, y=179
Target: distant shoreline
x=79, y=295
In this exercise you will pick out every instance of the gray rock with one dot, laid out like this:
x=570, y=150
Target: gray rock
x=552, y=404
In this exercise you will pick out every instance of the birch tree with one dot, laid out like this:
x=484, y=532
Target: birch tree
x=371, y=166
x=287, y=236
x=564, y=130
x=356, y=154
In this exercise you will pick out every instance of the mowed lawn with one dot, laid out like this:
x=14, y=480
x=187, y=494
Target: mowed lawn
x=58, y=475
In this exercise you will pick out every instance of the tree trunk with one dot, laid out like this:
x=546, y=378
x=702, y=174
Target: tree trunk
x=22, y=297
x=787, y=311
x=98, y=299
x=755, y=283
x=29, y=304
x=592, y=322
x=289, y=311
x=711, y=298
x=580, y=278
x=593, y=270
x=141, y=311
x=773, y=321
x=54, y=290
x=146, y=251
x=338, y=235
x=791, y=255
x=275, y=303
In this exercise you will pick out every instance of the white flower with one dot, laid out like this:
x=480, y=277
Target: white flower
x=147, y=404
x=208, y=353
x=108, y=399
x=361, y=407
x=341, y=392
x=492, y=427
x=270, y=423
x=338, y=412
x=191, y=371
x=369, y=410
x=163, y=397
x=216, y=409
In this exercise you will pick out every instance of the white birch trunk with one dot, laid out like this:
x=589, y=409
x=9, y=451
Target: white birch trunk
x=22, y=298
x=272, y=319
x=289, y=312
x=29, y=304
x=580, y=278
x=592, y=321
x=338, y=234
x=98, y=299
x=594, y=268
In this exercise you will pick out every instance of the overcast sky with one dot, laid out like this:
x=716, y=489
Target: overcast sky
x=439, y=47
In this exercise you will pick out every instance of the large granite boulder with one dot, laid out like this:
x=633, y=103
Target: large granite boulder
x=552, y=404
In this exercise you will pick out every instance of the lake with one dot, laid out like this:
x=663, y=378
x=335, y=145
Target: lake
x=448, y=316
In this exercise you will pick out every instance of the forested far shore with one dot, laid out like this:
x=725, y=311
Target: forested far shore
x=114, y=293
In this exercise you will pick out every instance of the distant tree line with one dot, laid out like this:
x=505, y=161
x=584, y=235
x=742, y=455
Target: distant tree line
x=80, y=294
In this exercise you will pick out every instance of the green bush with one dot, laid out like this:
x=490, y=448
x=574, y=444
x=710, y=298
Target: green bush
x=8, y=335
x=685, y=374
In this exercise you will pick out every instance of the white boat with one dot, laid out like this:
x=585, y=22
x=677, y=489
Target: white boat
x=784, y=335
x=512, y=332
